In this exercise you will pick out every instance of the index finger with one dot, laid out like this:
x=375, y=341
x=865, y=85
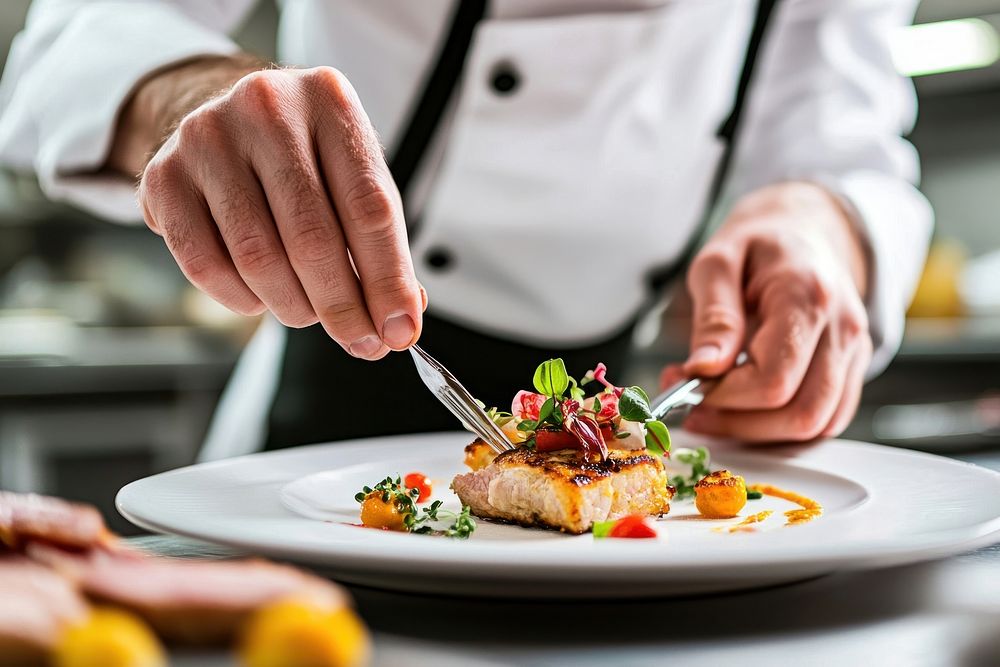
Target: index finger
x=792, y=319
x=370, y=211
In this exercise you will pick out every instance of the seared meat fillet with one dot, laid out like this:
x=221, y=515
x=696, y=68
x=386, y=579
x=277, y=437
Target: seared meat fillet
x=187, y=601
x=37, y=606
x=561, y=490
x=27, y=516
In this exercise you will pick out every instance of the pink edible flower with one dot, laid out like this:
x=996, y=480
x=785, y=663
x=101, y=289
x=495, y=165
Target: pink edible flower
x=598, y=374
x=609, y=406
x=526, y=404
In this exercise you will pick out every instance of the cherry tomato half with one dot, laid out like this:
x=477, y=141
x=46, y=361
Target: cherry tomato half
x=419, y=481
x=633, y=525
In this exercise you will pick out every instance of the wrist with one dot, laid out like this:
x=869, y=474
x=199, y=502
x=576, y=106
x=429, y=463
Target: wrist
x=163, y=98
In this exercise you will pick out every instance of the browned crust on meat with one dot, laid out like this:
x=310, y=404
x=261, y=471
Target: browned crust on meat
x=478, y=454
x=569, y=466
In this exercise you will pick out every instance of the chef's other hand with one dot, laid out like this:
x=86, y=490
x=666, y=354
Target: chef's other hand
x=784, y=278
x=274, y=194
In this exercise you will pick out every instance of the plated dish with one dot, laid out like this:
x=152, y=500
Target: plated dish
x=881, y=506
x=581, y=463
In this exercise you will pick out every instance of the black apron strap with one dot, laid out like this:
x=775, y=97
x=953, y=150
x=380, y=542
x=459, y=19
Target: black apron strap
x=324, y=394
x=426, y=113
x=728, y=132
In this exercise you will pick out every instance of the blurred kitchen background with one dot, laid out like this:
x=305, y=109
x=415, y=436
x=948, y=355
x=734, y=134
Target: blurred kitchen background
x=111, y=365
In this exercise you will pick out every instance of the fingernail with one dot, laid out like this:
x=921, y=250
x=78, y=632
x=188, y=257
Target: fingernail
x=398, y=330
x=423, y=298
x=365, y=347
x=705, y=355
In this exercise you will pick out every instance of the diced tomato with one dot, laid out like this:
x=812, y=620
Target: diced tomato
x=549, y=440
x=526, y=405
x=634, y=526
x=416, y=480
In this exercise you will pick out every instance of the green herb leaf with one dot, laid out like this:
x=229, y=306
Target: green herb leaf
x=657, y=437
x=597, y=405
x=621, y=435
x=527, y=425
x=551, y=378
x=603, y=528
x=698, y=459
x=754, y=495
x=633, y=405
x=545, y=411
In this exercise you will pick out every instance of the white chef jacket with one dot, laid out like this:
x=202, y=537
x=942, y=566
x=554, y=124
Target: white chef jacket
x=554, y=200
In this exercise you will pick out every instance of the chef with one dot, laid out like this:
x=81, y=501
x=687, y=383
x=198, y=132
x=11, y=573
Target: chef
x=505, y=181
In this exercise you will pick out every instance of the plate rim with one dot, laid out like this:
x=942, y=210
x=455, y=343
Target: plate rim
x=452, y=559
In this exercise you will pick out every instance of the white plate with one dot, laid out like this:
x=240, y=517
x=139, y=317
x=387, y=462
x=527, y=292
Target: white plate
x=883, y=506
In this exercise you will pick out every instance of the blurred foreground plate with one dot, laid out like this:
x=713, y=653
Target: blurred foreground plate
x=883, y=507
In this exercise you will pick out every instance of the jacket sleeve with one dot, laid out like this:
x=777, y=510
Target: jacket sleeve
x=828, y=106
x=70, y=70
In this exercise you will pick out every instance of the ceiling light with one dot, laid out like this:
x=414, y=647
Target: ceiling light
x=946, y=46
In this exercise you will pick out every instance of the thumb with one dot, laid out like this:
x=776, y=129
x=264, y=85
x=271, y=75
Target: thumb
x=715, y=282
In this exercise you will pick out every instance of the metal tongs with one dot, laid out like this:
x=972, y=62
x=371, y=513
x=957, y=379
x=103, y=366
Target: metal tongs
x=688, y=392
x=458, y=400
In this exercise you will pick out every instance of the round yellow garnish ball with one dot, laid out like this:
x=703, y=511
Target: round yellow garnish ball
x=720, y=495
x=378, y=513
x=109, y=638
x=294, y=633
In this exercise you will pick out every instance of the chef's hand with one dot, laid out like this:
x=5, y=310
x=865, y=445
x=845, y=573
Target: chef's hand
x=274, y=194
x=784, y=278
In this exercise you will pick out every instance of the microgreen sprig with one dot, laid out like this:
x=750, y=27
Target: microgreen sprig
x=393, y=490
x=698, y=459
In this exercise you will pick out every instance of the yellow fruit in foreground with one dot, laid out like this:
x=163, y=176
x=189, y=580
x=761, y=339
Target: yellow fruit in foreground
x=378, y=513
x=109, y=638
x=295, y=633
x=720, y=495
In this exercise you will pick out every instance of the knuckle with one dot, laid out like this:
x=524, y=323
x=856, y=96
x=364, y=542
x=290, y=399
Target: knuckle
x=712, y=262
x=256, y=253
x=330, y=82
x=259, y=94
x=163, y=172
x=370, y=209
x=807, y=424
x=313, y=243
x=717, y=319
x=777, y=391
x=853, y=322
x=343, y=318
x=200, y=268
x=808, y=285
x=204, y=126
x=394, y=287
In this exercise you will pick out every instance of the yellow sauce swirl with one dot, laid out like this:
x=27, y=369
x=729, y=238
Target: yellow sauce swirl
x=810, y=509
x=746, y=525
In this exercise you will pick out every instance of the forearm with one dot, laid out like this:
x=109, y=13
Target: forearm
x=161, y=100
